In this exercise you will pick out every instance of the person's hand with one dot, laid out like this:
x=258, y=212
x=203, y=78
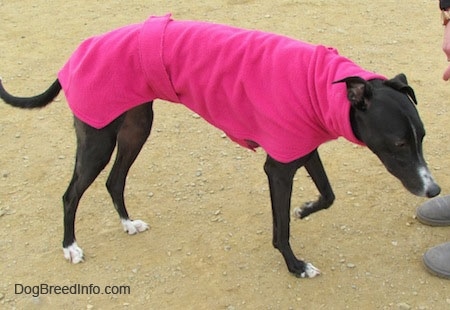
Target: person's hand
x=446, y=49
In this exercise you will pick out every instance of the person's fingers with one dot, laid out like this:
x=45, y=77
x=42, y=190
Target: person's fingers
x=446, y=75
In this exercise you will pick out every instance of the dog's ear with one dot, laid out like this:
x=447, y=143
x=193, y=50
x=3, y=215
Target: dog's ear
x=400, y=83
x=358, y=91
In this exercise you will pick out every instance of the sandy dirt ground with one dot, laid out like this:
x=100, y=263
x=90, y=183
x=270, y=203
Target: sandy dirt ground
x=206, y=200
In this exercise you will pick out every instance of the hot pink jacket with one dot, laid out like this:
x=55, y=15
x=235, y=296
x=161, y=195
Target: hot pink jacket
x=257, y=86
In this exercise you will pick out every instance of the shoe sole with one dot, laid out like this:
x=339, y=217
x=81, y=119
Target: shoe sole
x=431, y=222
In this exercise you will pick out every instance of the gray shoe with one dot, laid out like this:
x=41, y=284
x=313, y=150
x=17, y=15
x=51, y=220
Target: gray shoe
x=435, y=212
x=437, y=260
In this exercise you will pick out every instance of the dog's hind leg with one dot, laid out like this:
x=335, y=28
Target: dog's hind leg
x=94, y=150
x=132, y=135
x=317, y=173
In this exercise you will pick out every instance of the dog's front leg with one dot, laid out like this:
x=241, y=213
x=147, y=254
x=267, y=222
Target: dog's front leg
x=280, y=183
x=317, y=173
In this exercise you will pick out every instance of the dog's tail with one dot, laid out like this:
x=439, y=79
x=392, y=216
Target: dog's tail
x=38, y=101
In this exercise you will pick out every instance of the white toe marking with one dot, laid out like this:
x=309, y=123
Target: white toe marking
x=134, y=227
x=310, y=271
x=298, y=212
x=73, y=253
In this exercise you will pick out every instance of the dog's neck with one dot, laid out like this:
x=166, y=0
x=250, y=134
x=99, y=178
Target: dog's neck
x=354, y=124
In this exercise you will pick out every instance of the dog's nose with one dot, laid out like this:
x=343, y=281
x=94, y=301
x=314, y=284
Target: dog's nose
x=433, y=190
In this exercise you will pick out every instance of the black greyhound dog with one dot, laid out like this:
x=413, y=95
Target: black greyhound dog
x=381, y=114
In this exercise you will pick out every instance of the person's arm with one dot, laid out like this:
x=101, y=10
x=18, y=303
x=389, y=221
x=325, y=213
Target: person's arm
x=444, y=5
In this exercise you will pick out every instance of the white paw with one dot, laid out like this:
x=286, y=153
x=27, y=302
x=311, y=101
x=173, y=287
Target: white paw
x=298, y=212
x=310, y=271
x=134, y=227
x=73, y=253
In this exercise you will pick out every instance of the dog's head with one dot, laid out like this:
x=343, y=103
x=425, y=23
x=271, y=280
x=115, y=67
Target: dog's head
x=385, y=118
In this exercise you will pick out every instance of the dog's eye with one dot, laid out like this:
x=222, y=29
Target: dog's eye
x=400, y=143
